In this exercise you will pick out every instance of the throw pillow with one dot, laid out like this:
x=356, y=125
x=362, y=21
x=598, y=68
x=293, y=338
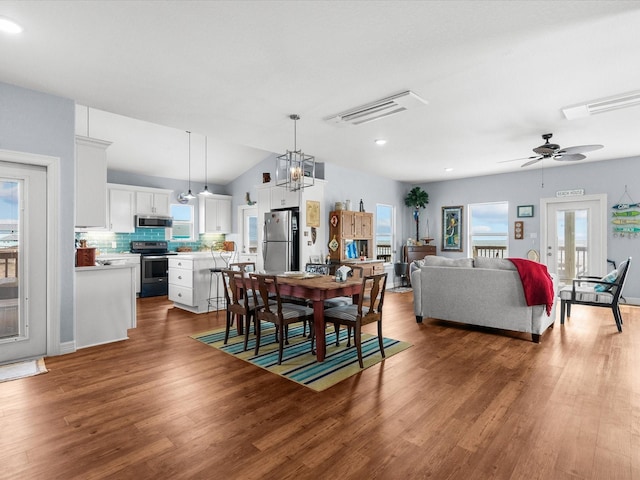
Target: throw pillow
x=609, y=277
x=436, y=261
x=493, y=263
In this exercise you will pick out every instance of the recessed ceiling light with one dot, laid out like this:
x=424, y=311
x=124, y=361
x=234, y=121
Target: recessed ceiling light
x=448, y=169
x=380, y=141
x=9, y=26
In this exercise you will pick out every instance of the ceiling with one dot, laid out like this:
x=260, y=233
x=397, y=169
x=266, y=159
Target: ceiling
x=495, y=74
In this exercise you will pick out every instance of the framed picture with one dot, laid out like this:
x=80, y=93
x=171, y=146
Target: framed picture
x=452, y=229
x=315, y=259
x=525, y=211
x=313, y=213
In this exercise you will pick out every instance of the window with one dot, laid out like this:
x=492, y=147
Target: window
x=385, y=232
x=489, y=229
x=182, y=222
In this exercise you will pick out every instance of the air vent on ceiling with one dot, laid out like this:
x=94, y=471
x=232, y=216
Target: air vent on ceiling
x=378, y=109
x=603, y=105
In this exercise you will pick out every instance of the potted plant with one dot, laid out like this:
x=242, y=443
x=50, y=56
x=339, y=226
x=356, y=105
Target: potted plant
x=417, y=198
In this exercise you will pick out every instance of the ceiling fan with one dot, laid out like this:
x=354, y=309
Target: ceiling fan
x=553, y=150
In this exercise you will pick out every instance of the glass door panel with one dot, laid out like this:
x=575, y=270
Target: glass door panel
x=11, y=324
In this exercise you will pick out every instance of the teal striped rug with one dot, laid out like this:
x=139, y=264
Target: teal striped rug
x=298, y=364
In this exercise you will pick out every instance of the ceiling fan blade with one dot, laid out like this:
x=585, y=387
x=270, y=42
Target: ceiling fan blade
x=569, y=158
x=531, y=162
x=518, y=159
x=580, y=149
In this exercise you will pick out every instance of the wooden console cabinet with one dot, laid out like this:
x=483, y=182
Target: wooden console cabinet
x=417, y=252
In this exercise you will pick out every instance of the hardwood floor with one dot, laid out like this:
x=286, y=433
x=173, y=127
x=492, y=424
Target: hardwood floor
x=462, y=403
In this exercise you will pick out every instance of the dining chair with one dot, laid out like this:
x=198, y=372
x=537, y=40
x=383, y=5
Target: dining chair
x=239, y=304
x=356, y=315
x=281, y=314
x=596, y=292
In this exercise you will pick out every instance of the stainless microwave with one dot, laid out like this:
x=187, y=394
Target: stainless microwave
x=153, y=221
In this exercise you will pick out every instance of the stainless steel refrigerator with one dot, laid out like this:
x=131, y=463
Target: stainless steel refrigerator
x=281, y=246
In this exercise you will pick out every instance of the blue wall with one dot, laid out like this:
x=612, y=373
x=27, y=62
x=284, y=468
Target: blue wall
x=38, y=123
x=527, y=188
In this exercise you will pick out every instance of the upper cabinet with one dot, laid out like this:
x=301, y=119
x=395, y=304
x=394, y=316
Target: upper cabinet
x=355, y=224
x=121, y=209
x=152, y=203
x=284, y=198
x=91, y=182
x=127, y=201
x=215, y=214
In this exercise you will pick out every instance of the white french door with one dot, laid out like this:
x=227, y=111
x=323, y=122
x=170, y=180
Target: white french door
x=23, y=261
x=574, y=236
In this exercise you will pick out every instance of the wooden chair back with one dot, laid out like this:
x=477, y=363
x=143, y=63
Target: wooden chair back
x=373, y=288
x=233, y=281
x=245, y=267
x=262, y=294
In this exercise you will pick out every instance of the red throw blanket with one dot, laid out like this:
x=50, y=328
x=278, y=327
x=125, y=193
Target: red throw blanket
x=536, y=283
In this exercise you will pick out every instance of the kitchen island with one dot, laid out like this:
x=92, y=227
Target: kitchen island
x=105, y=303
x=190, y=281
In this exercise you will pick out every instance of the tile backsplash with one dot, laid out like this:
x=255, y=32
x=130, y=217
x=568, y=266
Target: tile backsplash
x=108, y=242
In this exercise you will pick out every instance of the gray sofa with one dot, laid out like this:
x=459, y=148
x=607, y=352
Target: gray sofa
x=481, y=291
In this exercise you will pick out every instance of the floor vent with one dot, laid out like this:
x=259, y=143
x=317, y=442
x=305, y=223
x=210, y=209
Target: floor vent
x=378, y=109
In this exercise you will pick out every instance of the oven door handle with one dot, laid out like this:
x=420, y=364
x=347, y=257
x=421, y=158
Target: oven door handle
x=153, y=257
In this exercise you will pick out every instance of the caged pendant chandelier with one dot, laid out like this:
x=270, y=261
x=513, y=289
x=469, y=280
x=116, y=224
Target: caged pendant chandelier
x=205, y=191
x=294, y=169
x=185, y=197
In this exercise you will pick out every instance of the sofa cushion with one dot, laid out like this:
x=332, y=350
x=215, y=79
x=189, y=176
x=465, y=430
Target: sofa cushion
x=435, y=261
x=493, y=263
x=609, y=277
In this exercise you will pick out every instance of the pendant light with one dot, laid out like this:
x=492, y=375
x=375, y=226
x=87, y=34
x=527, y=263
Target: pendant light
x=294, y=169
x=206, y=191
x=185, y=197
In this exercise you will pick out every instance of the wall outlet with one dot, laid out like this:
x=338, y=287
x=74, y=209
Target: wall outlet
x=114, y=245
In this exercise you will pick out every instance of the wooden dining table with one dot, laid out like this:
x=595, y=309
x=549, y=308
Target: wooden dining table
x=317, y=289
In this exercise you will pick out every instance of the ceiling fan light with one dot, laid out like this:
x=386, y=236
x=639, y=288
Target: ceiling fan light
x=9, y=26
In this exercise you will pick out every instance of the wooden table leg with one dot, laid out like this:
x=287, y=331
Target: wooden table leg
x=318, y=321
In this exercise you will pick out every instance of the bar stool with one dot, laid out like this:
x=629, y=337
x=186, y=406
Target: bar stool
x=220, y=262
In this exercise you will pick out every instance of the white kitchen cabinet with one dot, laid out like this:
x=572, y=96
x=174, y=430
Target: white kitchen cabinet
x=248, y=257
x=152, y=203
x=189, y=277
x=121, y=210
x=91, y=182
x=105, y=304
x=282, y=197
x=214, y=214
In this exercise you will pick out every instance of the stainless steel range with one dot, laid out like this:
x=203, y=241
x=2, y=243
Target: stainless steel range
x=154, y=267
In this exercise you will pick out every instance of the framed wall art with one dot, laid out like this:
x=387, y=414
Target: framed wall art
x=313, y=213
x=525, y=211
x=452, y=221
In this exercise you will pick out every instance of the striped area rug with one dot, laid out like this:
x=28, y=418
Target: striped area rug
x=298, y=364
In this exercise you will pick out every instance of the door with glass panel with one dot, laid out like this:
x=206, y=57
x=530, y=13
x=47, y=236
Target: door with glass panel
x=23, y=323
x=575, y=239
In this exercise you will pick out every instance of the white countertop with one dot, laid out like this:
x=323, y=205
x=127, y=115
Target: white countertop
x=106, y=267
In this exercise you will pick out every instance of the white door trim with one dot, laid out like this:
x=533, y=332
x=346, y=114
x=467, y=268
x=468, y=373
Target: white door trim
x=601, y=198
x=52, y=164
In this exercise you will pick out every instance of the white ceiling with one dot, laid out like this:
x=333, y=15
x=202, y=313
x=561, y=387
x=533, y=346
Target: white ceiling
x=495, y=73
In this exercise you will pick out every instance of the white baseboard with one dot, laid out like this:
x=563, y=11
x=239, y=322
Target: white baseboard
x=67, y=347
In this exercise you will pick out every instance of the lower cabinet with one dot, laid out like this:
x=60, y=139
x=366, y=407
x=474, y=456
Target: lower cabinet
x=368, y=267
x=189, y=282
x=105, y=304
